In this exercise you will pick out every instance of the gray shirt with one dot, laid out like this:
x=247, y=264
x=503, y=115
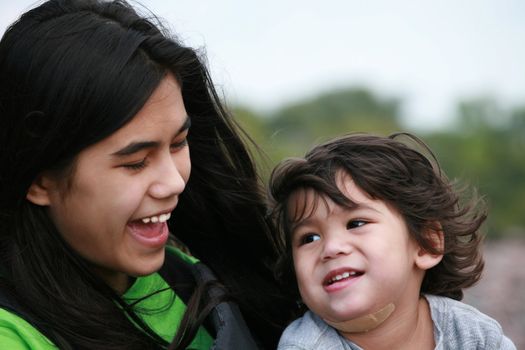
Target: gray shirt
x=456, y=326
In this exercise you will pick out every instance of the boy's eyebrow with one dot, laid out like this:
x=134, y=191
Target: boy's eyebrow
x=358, y=206
x=295, y=225
x=306, y=221
x=137, y=146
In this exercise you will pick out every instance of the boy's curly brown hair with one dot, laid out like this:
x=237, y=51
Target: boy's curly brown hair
x=392, y=170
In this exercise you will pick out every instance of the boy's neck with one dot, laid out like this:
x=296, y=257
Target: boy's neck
x=411, y=329
x=365, y=323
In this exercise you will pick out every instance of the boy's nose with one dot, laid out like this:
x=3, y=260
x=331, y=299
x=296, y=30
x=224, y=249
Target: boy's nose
x=336, y=244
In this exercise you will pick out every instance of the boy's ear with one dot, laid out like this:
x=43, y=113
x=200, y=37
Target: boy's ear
x=40, y=190
x=425, y=259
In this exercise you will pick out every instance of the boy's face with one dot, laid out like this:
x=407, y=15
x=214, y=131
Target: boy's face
x=353, y=262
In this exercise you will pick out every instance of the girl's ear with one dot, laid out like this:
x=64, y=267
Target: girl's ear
x=39, y=191
x=425, y=259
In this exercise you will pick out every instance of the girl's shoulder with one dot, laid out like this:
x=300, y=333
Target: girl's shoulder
x=186, y=257
x=18, y=334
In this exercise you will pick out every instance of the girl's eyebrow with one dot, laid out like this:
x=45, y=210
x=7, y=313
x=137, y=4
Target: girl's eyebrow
x=137, y=146
x=186, y=125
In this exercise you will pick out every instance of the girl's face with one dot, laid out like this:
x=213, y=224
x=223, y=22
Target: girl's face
x=114, y=209
x=352, y=262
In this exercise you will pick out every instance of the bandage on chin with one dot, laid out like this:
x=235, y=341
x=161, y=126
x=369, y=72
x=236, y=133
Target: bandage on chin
x=363, y=323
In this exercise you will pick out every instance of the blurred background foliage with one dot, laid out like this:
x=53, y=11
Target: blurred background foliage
x=483, y=148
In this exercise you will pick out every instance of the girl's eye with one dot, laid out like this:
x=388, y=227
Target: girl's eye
x=178, y=145
x=355, y=224
x=136, y=166
x=309, y=238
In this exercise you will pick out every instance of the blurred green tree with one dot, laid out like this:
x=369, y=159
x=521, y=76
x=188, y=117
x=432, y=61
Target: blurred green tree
x=485, y=148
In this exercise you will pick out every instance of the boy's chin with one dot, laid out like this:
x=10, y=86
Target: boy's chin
x=364, y=323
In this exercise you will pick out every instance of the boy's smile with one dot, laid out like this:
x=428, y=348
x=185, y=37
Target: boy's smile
x=351, y=262
x=340, y=278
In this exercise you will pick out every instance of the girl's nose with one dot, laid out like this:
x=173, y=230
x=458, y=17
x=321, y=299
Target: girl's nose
x=169, y=178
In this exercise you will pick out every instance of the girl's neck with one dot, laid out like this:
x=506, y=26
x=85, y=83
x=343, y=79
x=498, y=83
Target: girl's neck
x=118, y=281
x=411, y=329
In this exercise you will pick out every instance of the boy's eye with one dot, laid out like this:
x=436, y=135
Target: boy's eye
x=355, y=224
x=309, y=238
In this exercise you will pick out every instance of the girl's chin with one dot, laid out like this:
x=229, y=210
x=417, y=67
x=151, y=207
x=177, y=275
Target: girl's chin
x=148, y=265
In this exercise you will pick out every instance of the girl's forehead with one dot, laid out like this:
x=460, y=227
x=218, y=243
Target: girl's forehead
x=160, y=116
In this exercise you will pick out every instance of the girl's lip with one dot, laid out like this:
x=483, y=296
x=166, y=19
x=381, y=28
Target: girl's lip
x=164, y=212
x=151, y=235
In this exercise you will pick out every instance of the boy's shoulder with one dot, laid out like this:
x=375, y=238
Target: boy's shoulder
x=461, y=326
x=312, y=333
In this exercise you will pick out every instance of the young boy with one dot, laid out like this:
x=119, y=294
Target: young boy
x=381, y=248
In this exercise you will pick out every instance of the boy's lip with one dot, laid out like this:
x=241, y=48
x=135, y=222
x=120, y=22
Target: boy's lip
x=332, y=275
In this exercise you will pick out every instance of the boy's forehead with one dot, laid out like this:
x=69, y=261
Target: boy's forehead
x=307, y=198
x=347, y=185
x=302, y=194
x=350, y=189
x=303, y=201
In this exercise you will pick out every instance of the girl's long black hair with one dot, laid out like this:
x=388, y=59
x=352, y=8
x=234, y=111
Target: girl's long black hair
x=72, y=72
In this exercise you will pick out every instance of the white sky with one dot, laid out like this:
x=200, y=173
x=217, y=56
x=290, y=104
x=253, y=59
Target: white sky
x=429, y=53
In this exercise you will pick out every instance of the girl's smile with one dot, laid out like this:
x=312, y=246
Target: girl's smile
x=152, y=234
x=151, y=230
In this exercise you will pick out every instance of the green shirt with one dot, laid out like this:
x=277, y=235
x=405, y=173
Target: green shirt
x=162, y=312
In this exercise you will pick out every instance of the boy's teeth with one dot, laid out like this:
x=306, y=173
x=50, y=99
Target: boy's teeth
x=155, y=219
x=343, y=276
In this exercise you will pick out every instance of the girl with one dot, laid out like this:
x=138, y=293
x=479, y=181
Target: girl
x=100, y=113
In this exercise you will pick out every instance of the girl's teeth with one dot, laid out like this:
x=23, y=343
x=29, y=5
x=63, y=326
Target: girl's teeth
x=164, y=217
x=155, y=219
